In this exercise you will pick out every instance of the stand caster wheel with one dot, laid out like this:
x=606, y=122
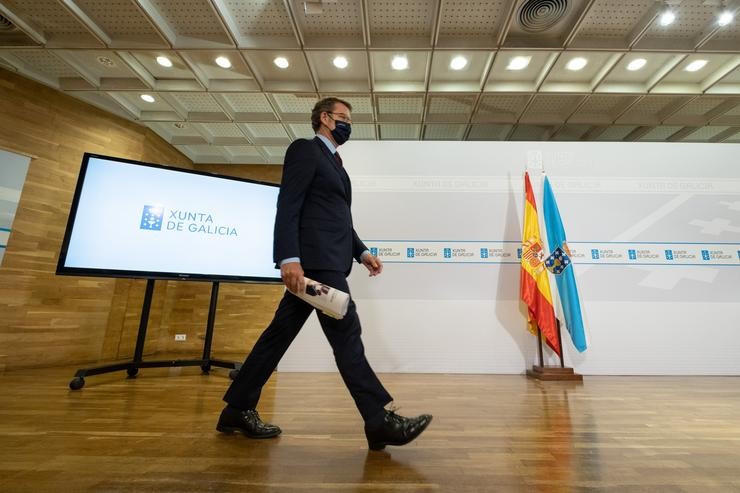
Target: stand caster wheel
x=77, y=383
x=132, y=372
x=233, y=374
x=205, y=369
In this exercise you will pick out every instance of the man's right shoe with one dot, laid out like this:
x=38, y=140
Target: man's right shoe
x=246, y=422
x=396, y=430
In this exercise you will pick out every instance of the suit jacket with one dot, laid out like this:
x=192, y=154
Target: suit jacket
x=314, y=220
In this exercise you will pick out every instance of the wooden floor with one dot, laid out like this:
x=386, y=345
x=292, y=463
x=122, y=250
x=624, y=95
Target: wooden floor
x=490, y=433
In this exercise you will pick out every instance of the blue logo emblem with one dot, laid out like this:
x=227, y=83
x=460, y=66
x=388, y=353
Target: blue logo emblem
x=519, y=253
x=738, y=254
x=410, y=253
x=557, y=261
x=484, y=253
x=705, y=255
x=448, y=252
x=669, y=254
x=595, y=254
x=151, y=218
x=374, y=251
x=632, y=254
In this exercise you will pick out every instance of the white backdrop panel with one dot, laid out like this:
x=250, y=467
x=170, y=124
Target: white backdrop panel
x=655, y=230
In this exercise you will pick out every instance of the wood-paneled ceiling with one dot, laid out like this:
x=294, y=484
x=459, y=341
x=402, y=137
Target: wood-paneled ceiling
x=105, y=52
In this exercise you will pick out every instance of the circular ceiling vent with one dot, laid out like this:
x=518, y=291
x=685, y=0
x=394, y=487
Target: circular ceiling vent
x=539, y=15
x=5, y=24
x=107, y=61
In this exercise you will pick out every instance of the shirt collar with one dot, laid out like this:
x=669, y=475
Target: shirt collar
x=332, y=148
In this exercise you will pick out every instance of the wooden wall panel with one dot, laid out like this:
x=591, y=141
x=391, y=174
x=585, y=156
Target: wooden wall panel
x=48, y=320
x=244, y=310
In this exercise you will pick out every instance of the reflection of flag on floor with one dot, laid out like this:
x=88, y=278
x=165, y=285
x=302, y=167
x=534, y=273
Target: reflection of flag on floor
x=559, y=263
x=534, y=285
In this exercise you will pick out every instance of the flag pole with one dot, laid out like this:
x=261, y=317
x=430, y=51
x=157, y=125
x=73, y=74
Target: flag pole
x=542, y=372
x=555, y=301
x=539, y=346
x=560, y=342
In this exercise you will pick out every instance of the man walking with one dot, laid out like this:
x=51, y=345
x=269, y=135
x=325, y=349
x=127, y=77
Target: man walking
x=315, y=237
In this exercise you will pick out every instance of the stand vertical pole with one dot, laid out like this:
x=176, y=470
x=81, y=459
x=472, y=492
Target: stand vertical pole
x=144, y=321
x=560, y=343
x=539, y=346
x=209, y=324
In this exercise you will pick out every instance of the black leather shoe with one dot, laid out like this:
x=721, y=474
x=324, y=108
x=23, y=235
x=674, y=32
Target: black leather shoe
x=396, y=430
x=246, y=422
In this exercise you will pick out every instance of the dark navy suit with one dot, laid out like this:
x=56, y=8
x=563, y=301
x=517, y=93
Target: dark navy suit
x=314, y=223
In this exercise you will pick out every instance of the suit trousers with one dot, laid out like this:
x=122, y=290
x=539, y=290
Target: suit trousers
x=343, y=335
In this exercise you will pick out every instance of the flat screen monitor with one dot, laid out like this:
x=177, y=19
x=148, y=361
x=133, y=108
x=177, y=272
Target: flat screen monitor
x=142, y=220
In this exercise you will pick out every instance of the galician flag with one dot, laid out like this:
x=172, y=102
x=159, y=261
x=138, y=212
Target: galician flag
x=534, y=285
x=559, y=264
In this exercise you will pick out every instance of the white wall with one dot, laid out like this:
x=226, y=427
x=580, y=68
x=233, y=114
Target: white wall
x=13, y=169
x=646, y=315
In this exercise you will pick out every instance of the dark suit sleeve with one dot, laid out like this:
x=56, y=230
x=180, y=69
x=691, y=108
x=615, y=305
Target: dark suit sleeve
x=299, y=168
x=357, y=246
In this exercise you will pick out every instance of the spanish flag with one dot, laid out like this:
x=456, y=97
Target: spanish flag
x=534, y=287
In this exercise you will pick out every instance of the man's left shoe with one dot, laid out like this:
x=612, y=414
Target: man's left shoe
x=396, y=430
x=247, y=422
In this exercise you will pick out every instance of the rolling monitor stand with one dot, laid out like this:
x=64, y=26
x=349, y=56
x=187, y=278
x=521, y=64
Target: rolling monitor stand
x=132, y=367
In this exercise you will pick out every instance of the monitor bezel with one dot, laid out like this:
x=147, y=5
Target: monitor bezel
x=142, y=274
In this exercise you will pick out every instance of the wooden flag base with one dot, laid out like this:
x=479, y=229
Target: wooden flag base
x=554, y=373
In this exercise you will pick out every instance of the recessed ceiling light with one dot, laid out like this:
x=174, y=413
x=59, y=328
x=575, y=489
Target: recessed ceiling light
x=164, y=61
x=518, y=63
x=340, y=62
x=458, y=63
x=636, y=64
x=400, y=62
x=148, y=98
x=223, y=62
x=667, y=18
x=725, y=18
x=696, y=65
x=281, y=62
x=576, y=63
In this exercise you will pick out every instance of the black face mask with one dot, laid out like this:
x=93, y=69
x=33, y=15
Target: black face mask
x=341, y=132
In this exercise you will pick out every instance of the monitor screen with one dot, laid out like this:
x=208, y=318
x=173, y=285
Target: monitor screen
x=133, y=219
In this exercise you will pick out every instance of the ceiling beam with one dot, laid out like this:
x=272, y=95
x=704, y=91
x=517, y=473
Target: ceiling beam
x=643, y=25
x=721, y=109
x=637, y=133
x=35, y=34
x=720, y=73
x=681, y=134
x=435, y=27
x=671, y=111
x=294, y=24
x=158, y=21
x=663, y=71
x=594, y=132
x=87, y=22
x=712, y=27
x=137, y=68
x=227, y=21
x=605, y=70
x=725, y=134
x=302, y=43
x=577, y=25
x=504, y=32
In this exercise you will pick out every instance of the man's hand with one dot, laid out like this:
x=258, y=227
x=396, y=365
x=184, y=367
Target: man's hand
x=292, y=274
x=373, y=264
